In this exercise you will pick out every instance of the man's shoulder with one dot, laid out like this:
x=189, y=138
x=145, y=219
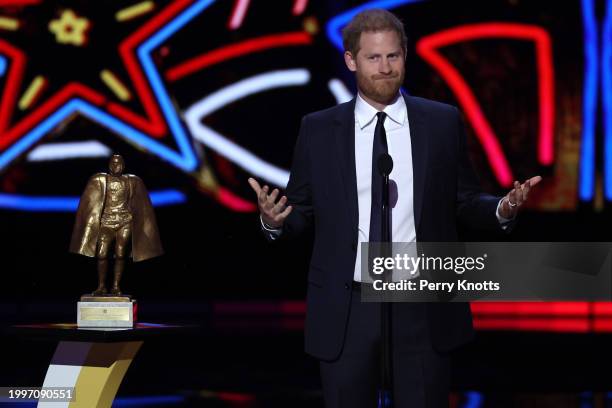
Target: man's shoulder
x=431, y=106
x=330, y=114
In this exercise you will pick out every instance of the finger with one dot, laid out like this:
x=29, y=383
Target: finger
x=529, y=184
x=518, y=193
x=534, y=180
x=281, y=217
x=525, y=190
x=512, y=199
x=254, y=185
x=280, y=206
x=272, y=197
x=271, y=201
x=263, y=195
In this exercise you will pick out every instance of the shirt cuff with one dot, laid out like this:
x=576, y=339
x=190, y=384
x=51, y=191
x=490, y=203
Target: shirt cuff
x=502, y=220
x=273, y=233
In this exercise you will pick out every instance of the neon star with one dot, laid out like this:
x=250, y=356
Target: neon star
x=70, y=28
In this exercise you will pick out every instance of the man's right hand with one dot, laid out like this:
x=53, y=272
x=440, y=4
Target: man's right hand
x=273, y=213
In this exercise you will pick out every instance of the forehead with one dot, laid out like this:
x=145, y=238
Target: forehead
x=379, y=41
x=116, y=159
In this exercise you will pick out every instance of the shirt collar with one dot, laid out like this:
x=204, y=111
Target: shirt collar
x=365, y=113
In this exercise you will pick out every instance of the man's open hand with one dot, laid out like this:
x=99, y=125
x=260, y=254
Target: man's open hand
x=517, y=197
x=273, y=213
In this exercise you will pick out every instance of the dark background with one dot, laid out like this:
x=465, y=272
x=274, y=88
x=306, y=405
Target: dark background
x=216, y=256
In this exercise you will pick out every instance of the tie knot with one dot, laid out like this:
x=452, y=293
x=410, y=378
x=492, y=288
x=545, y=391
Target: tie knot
x=381, y=116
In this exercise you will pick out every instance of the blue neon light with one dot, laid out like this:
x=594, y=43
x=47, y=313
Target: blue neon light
x=474, y=399
x=591, y=66
x=336, y=23
x=2, y=65
x=161, y=400
x=69, y=204
x=606, y=83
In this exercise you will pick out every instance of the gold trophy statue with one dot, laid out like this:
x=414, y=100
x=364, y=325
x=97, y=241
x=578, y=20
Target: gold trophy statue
x=115, y=215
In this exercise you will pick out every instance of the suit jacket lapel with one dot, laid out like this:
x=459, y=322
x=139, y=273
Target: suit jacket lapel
x=344, y=132
x=419, y=143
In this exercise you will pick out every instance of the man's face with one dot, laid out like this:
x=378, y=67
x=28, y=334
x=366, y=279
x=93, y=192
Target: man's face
x=379, y=65
x=116, y=165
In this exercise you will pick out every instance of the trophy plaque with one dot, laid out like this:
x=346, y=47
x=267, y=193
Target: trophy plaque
x=106, y=311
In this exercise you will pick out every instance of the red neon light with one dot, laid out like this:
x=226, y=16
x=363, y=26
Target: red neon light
x=237, y=16
x=523, y=309
x=571, y=325
x=558, y=317
x=602, y=309
x=235, y=50
x=6, y=3
x=14, y=78
x=236, y=398
x=233, y=202
x=428, y=48
x=155, y=126
x=602, y=325
x=71, y=90
x=299, y=6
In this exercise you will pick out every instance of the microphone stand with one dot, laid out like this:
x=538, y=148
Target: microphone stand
x=385, y=395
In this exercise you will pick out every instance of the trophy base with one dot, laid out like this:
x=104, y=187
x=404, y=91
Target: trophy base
x=108, y=311
x=106, y=298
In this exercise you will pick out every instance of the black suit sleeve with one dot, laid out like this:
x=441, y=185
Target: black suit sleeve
x=299, y=191
x=475, y=209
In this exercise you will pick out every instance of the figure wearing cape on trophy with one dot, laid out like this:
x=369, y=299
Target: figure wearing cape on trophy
x=115, y=215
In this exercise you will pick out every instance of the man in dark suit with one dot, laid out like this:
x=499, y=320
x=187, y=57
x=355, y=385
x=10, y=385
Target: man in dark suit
x=335, y=187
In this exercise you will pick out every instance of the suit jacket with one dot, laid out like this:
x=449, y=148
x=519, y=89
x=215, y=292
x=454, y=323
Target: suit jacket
x=323, y=191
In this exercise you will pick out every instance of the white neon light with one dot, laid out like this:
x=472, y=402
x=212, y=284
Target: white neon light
x=232, y=151
x=68, y=150
x=340, y=92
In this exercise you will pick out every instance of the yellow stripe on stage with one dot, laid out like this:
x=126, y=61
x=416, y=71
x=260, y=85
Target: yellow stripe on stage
x=7, y=23
x=30, y=94
x=115, y=85
x=134, y=11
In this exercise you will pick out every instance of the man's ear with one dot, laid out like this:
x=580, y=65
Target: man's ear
x=350, y=61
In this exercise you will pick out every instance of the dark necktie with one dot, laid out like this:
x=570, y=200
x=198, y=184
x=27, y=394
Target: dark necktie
x=379, y=147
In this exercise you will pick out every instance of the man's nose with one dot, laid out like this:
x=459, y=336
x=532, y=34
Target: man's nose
x=384, y=67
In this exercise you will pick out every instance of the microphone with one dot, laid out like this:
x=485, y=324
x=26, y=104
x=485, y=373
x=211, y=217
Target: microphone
x=385, y=164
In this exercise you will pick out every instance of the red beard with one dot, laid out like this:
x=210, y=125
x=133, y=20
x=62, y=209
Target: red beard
x=378, y=89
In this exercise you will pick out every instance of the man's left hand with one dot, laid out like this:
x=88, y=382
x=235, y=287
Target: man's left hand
x=517, y=197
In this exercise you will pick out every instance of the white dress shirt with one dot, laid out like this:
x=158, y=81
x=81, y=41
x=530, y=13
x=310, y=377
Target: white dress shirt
x=401, y=195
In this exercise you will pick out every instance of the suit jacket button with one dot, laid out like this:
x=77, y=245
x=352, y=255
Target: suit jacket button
x=347, y=286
